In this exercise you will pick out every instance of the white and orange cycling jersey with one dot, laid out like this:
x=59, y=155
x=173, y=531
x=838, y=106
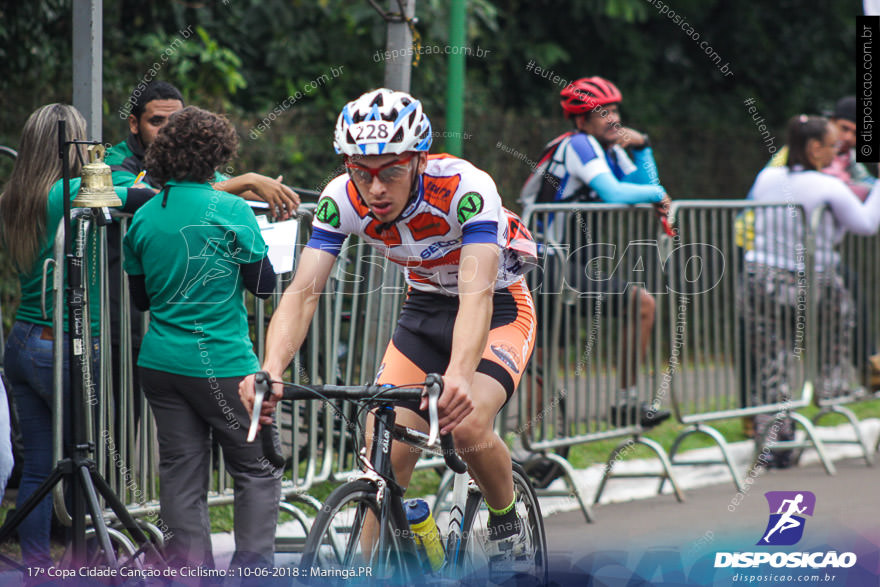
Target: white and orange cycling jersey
x=457, y=204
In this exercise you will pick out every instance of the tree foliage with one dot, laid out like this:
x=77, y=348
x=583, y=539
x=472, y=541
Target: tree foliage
x=246, y=57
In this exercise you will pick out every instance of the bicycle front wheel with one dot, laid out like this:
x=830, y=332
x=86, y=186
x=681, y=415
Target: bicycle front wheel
x=474, y=543
x=345, y=540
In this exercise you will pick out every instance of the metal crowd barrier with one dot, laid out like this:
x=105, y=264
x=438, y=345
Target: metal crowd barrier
x=702, y=354
x=751, y=340
x=847, y=328
x=590, y=325
x=346, y=341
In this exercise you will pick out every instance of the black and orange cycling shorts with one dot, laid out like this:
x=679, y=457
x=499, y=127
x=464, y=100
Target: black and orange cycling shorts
x=422, y=341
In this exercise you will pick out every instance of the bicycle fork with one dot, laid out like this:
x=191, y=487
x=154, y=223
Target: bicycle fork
x=462, y=487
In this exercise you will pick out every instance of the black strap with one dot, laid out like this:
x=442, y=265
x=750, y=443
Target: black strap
x=165, y=195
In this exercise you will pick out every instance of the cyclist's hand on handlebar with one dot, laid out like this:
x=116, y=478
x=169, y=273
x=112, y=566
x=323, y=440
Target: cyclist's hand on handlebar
x=246, y=393
x=455, y=402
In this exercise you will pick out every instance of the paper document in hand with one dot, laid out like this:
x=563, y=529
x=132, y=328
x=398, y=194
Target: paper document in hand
x=280, y=237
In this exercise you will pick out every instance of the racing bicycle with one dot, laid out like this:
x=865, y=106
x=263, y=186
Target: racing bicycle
x=337, y=545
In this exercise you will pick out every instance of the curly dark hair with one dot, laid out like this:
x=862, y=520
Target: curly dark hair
x=191, y=146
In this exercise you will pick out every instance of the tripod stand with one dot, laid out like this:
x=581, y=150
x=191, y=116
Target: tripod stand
x=78, y=469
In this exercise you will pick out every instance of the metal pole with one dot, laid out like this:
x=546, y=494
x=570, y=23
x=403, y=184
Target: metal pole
x=399, y=46
x=397, y=77
x=455, y=79
x=88, y=23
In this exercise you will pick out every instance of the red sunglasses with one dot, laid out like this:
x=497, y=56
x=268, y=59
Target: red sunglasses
x=389, y=173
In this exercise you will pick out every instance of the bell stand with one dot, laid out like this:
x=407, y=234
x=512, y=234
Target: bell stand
x=79, y=469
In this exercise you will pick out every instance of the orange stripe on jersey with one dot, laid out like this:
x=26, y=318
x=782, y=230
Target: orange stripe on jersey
x=439, y=191
x=355, y=200
x=426, y=225
x=390, y=236
x=413, y=276
x=447, y=259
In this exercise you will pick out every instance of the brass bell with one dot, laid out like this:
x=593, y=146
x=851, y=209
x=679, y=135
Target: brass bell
x=96, y=189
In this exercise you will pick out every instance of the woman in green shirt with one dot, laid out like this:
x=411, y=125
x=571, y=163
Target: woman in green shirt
x=31, y=209
x=190, y=254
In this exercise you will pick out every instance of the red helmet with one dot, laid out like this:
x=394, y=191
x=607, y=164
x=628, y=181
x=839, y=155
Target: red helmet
x=585, y=94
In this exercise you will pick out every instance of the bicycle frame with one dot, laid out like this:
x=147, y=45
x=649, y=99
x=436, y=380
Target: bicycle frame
x=378, y=469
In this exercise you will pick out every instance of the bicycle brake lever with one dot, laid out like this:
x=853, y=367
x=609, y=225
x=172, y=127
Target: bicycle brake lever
x=261, y=390
x=434, y=387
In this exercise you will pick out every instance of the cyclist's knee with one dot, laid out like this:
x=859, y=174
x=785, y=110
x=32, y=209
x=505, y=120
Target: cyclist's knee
x=472, y=435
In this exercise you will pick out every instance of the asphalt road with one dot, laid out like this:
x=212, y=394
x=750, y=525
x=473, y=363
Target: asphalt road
x=660, y=541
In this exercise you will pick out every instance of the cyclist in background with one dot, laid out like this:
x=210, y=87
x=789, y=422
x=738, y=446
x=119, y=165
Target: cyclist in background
x=468, y=313
x=602, y=161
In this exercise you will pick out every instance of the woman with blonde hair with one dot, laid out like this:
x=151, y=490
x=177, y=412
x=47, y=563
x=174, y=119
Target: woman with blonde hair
x=31, y=207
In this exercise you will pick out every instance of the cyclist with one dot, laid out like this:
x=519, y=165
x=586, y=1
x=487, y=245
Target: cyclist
x=592, y=163
x=468, y=313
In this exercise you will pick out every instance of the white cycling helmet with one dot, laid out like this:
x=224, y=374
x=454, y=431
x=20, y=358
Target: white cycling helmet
x=381, y=122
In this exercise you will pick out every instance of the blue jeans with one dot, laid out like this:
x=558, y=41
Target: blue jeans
x=7, y=462
x=28, y=365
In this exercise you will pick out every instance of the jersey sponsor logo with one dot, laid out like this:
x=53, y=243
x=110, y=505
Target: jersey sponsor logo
x=390, y=236
x=328, y=212
x=439, y=191
x=434, y=247
x=426, y=225
x=507, y=354
x=469, y=206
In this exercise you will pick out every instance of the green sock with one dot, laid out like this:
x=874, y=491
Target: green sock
x=504, y=522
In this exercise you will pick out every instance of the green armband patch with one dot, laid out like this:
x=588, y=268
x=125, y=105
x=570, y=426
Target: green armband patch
x=469, y=206
x=328, y=212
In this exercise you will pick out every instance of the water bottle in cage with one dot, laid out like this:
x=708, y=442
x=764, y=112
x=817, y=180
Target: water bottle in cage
x=425, y=532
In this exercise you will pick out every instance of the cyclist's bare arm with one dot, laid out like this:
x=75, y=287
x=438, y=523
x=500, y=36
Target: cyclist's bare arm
x=477, y=272
x=290, y=322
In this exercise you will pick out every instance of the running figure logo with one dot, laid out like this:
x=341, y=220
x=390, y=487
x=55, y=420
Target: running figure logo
x=786, y=525
x=212, y=254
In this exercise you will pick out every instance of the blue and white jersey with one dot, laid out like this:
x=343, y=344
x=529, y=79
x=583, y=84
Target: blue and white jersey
x=580, y=159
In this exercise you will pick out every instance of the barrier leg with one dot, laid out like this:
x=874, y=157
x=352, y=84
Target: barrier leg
x=719, y=439
x=570, y=481
x=626, y=446
x=854, y=422
x=296, y=543
x=815, y=441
